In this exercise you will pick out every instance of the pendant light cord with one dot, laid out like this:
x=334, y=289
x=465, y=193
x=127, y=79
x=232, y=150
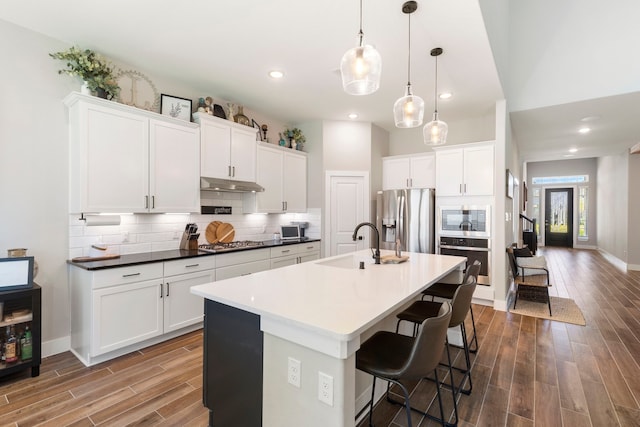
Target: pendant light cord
x=435, y=89
x=360, y=34
x=409, y=56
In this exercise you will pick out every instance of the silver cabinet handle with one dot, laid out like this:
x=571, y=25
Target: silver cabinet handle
x=167, y=288
x=229, y=172
x=160, y=290
x=460, y=188
x=287, y=251
x=153, y=202
x=465, y=188
x=146, y=202
x=131, y=275
x=245, y=274
x=191, y=265
x=233, y=169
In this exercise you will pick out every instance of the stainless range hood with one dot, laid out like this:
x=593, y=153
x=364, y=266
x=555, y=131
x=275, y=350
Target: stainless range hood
x=229, y=186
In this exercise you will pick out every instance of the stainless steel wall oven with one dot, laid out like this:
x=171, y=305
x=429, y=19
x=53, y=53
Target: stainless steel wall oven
x=471, y=221
x=471, y=248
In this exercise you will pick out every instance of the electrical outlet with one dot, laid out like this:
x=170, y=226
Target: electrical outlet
x=125, y=237
x=293, y=372
x=325, y=388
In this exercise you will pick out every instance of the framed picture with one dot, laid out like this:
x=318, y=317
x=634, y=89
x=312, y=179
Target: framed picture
x=179, y=108
x=510, y=184
x=257, y=127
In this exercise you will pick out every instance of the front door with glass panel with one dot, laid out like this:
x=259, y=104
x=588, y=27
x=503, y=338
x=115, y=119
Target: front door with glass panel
x=558, y=217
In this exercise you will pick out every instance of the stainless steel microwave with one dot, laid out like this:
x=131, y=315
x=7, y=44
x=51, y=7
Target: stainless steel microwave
x=472, y=221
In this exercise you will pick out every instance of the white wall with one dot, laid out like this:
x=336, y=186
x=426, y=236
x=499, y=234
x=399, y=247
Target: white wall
x=559, y=49
x=613, y=205
x=473, y=129
x=346, y=145
x=634, y=212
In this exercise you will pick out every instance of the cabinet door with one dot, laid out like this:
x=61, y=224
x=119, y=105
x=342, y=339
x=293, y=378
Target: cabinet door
x=181, y=307
x=111, y=164
x=449, y=172
x=395, y=173
x=309, y=257
x=294, y=182
x=125, y=315
x=243, y=154
x=241, y=269
x=215, y=149
x=478, y=171
x=270, y=172
x=423, y=171
x=284, y=261
x=174, y=174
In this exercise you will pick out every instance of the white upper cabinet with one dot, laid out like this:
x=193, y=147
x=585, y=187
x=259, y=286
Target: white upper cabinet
x=408, y=172
x=228, y=150
x=283, y=174
x=465, y=171
x=123, y=159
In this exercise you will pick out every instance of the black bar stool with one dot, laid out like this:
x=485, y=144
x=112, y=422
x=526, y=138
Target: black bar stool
x=395, y=357
x=461, y=303
x=446, y=290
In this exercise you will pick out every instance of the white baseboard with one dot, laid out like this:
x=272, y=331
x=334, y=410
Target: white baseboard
x=500, y=305
x=617, y=262
x=56, y=346
x=633, y=267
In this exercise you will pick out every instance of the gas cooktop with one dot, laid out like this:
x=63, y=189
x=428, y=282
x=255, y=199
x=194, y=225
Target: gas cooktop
x=221, y=247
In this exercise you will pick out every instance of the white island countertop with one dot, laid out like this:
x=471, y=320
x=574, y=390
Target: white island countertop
x=326, y=304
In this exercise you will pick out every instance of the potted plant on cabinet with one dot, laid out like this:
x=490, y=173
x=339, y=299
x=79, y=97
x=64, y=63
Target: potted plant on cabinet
x=91, y=67
x=296, y=138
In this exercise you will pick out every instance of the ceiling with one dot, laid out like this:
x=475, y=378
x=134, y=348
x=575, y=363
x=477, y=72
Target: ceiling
x=226, y=48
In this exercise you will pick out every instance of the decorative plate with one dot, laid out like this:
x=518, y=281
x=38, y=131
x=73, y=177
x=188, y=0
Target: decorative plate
x=137, y=90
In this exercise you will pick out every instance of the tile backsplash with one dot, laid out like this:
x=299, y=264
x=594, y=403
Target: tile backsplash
x=157, y=232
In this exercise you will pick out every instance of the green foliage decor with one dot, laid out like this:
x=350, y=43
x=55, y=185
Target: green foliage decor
x=296, y=134
x=91, y=67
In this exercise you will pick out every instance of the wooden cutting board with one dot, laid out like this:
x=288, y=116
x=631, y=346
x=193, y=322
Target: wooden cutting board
x=210, y=232
x=225, y=232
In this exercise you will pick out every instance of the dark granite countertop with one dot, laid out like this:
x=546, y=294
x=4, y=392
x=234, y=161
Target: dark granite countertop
x=161, y=256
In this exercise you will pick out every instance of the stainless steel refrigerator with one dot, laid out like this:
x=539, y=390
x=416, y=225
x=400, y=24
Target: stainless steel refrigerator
x=408, y=215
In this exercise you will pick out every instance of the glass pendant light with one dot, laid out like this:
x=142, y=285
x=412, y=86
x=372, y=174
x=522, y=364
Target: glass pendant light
x=361, y=67
x=435, y=132
x=408, y=110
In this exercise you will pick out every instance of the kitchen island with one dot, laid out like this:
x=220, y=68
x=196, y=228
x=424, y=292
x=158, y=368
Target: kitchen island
x=272, y=339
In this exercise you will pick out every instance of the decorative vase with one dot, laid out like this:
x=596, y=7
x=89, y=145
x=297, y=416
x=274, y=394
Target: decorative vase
x=101, y=93
x=84, y=89
x=240, y=118
x=294, y=144
x=231, y=112
x=282, y=142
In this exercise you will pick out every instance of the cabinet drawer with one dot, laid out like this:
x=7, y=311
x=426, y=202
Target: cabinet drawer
x=285, y=250
x=241, y=257
x=123, y=275
x=189, y=265
x=242, y=269
x=304, y=248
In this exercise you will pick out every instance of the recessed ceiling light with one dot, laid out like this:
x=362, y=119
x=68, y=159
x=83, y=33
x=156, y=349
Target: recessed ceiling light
x=353, y=116
x=589, y=118
x=445, y=95
x=276, y=74
x=573, y=150
x=584, y=130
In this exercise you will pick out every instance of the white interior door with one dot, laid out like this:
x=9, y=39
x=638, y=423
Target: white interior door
x=347, y=202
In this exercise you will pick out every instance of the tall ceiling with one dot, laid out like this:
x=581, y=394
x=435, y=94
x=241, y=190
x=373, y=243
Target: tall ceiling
x=226, y=48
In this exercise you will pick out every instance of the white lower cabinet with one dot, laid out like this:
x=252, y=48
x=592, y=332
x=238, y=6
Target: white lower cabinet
x=241, y=263
x=114, y=309
x=125, y=315
x=282, y=256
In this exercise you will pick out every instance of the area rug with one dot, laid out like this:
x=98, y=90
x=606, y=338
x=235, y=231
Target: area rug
x=563, y=310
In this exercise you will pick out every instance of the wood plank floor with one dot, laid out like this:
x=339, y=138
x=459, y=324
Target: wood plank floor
x=533, y=372
x=528, y=372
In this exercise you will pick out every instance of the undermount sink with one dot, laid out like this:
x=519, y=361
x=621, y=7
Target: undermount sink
x=347, y=261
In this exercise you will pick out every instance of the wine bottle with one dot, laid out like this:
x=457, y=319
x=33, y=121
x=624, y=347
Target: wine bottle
x=26, y=345
x=10, y=347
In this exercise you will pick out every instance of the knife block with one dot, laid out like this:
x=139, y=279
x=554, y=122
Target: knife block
x=184, y=242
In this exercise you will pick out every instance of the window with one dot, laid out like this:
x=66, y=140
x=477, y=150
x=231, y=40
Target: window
x=583, y=203
x=551, y=180
x=535, y=210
